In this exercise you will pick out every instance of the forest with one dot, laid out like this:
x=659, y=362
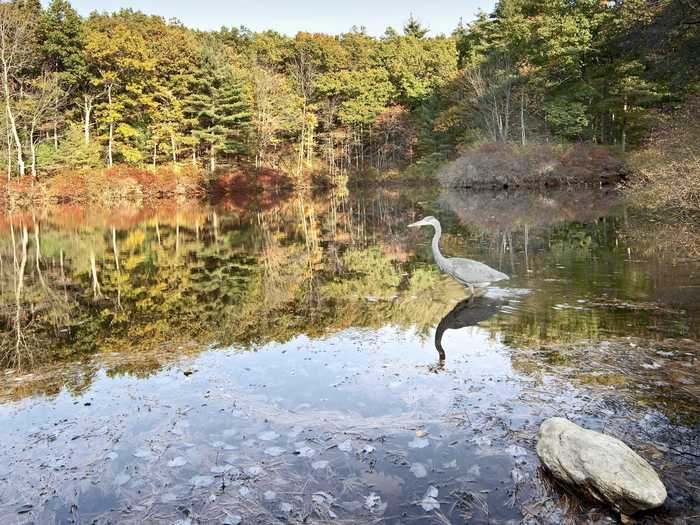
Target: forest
x=126, y=89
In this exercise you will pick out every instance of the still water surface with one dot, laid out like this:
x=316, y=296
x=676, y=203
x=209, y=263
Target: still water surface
x=274, y=359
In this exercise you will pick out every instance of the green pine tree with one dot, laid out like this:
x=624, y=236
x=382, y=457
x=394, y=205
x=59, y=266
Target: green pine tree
x=219, y=108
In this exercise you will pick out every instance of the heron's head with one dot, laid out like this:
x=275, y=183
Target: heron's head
x=427, y=221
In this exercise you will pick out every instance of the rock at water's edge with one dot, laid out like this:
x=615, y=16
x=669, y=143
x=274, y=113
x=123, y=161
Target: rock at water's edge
x=600, y=465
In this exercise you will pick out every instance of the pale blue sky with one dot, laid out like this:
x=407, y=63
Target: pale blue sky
x=290, y=16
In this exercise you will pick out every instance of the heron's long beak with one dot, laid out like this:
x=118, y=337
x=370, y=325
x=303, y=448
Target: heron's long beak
x=416, y=224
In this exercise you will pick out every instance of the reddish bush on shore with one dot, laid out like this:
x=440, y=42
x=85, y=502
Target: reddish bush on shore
x=508, y=165
x=113, y=185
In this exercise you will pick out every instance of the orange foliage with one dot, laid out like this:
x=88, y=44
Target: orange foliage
x=114, y=185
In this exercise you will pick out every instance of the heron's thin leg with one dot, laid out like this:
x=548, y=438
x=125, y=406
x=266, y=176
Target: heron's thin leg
x=471, y=292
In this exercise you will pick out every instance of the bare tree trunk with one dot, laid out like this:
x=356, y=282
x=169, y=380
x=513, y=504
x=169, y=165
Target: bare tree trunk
x=55, y=136
x=155, y=153
x=9, y=151
x=15, y=135
x=212, y=158
x=19, y=286
x=87, y=109
x=32, y=151
x=623, y=138
x=96, y=291
x=522, y=118
x=115, y=250
x=111, y=127
x=172, y=147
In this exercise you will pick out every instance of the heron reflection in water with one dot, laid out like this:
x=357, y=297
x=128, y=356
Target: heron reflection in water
x=469, y=273
x=466, y=313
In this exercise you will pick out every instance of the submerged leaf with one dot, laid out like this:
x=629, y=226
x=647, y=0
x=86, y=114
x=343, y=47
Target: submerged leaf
x=274, y=451
x=269, y=435
x=429, y=501
x=201, y=481
x=177, y=462
x=419, y=443
x=419, y=470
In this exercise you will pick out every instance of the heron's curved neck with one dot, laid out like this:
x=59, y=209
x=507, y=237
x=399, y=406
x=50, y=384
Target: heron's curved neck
x=436, y=244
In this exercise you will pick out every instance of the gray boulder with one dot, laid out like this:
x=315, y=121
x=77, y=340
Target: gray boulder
x=600, y=465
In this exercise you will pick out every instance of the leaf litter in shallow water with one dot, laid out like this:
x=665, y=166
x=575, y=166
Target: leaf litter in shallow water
x=345, y=446
x=374, y=504
x=318, y=465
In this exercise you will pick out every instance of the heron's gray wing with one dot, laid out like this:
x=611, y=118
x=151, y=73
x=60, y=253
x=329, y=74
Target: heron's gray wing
x=471, y=271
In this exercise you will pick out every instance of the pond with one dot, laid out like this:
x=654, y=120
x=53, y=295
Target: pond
x=273, y=359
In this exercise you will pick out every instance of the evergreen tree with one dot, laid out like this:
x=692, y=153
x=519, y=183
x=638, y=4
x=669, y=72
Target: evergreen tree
x=414, y=28
x=219, y=107
x=61, y=38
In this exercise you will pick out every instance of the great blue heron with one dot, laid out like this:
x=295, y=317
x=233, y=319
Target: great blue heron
x=465, y=271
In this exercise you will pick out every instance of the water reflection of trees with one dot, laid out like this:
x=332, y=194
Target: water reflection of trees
x=143, y=283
